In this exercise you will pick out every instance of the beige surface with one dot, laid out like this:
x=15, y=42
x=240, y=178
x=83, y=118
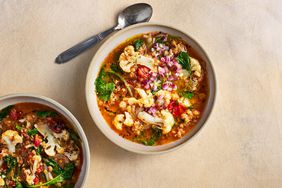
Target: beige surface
x=240, y=146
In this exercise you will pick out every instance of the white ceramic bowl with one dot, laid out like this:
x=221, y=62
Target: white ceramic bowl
x=20, y=98
x=94, y=69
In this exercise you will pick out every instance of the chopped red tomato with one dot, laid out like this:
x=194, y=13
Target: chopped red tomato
x=39, y=169
x=36, y=140
x=143, y=72
x=36, y=180
x=175, y=108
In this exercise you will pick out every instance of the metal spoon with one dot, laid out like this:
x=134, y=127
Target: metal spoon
x=133, y=14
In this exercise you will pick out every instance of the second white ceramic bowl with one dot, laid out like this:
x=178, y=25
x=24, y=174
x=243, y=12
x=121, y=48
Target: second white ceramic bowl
x=94, y=69
x=30, y=98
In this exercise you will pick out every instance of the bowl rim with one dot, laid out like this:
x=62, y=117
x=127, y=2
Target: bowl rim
x=105, y=43
x=75, y=123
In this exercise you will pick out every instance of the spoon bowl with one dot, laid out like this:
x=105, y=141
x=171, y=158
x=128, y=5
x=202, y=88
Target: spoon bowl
x=137, y=13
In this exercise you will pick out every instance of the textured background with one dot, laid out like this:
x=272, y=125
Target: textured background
x=240, y=146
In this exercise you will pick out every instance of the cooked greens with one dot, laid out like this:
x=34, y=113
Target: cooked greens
x=43, y=114
x=184, y=60
x=5, y=112
x=11, y=163
x=138, y=43
x=66, y=173
x=32, y=132
x=187, y=94
x=104, y=89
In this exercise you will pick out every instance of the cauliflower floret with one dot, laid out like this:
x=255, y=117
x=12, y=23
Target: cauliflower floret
x=128, y=58
x=12, y=138
x=36, y=159
x=29, y=177
x=149, y=119
x=147, y=62
x=72, y=156
x=195, y=67
x=184, y=101
x=168, y=121
x=146, y=99
x=166, y=96
x=50, y=146
x=64, y=135
x=118, y=121
x=128, y=119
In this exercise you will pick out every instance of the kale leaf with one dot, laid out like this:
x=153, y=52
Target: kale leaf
x=103, y=89
x=43, y=114
x=19, y=185
x=4, y=112
x=115, y=67
x=11, y=162
x=56, y=167
x=184, y=60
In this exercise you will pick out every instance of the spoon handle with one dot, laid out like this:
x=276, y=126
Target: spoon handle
x=82, y=46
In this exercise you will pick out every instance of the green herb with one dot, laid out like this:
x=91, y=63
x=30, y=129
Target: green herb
x=103, y=89
x=187, y=94
x=56, y=167
x=156, y=135
x=19, y=127
x=123, y=80
x=39, y=150
x=115, y=67
x=19, y=185
x=138, y=43
x=149, y=142
x=159, y=40
x=66, y=174
x=32, y=132
x=43, y=114
x=68, y=171
x=184, y=60
x=4, y=112
x=11, y=163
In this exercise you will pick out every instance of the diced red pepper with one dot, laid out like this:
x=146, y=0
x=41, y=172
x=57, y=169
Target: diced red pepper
x=176, y=109
x=143, y=72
